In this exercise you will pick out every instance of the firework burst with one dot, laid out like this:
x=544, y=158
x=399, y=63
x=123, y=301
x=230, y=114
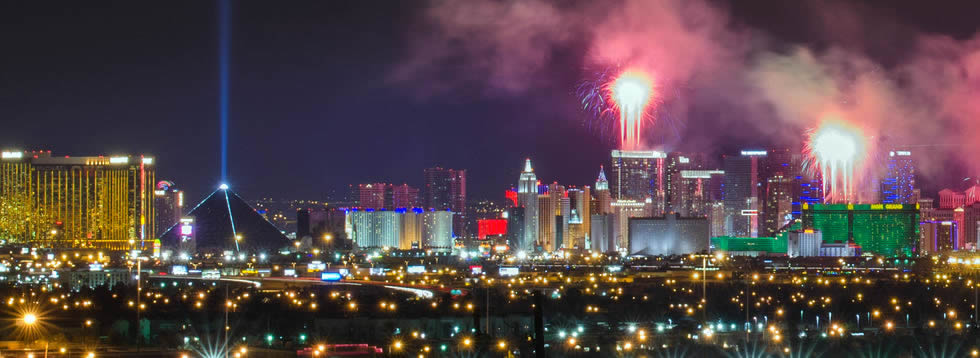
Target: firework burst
x=619, y=99
x=837, y=151
x=630, y=93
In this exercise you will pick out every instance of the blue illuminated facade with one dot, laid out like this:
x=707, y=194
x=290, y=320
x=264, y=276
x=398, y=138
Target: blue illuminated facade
x=898, y=184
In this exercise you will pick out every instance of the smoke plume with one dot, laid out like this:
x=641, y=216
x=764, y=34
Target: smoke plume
x=926, y=96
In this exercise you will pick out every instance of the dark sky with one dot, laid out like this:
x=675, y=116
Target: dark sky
x=312, y=109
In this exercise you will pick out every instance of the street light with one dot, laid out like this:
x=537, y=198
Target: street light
x=30, y=319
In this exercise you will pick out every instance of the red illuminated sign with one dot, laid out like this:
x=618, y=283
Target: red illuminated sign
x=491, y=227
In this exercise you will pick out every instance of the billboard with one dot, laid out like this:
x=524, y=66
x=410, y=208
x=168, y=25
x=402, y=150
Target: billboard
x=178, y=270
x=210, y=274
x=331, y=276
x=509, y=271
x=316, y=266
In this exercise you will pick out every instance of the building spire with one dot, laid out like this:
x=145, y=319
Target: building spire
x=527, y=166
x=601, y=183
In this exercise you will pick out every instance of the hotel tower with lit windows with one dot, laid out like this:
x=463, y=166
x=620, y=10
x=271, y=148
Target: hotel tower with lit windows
x=77, y=202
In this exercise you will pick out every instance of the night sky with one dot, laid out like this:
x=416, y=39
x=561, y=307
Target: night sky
x=313, y=103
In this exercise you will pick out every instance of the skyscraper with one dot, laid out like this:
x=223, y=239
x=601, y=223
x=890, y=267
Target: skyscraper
x=527, y=197
x=554, y=214
x=580, y=202
x=693, y=193
x=880, y=229
x=602, y=234
x=674, y=188
x=385, y=196
x=623, y=210
x=371, y=196
x=411, y=237
x=445, y=189
x=371, y=229
x=742, y=193
x=716, y=218
x=168, y=202
x=603, y=198
x=777, y=205
x=404, y=196
x=547, y=217
x=968, y=225
x=77, y=202
x=781, y=182
x=898, y=184
x=938, y=237
x=638, y=175
x=515, y=227
x=437, y=232
x=303, y=223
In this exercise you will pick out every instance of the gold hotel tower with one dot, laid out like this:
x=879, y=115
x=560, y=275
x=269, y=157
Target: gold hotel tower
x=67, y=202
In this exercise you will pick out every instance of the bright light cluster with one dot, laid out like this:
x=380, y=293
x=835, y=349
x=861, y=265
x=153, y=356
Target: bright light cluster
x=630, y=93
x=837, y=150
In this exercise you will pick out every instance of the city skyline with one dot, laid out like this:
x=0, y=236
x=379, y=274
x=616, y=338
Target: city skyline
x=458, y=129
x=490, y=178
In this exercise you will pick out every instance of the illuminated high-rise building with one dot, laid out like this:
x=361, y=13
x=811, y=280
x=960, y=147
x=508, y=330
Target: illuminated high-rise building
x=580, y=203
x=77, y=202
x=693, y=193
x=515, y=227
x=548, y=215
x=168, y=202
x=968, y=225
x=623, y=210
x=637, y=176
x=603, y=198
x=602, y=234
x=898, y=184
x=437, y=230
x=371, y=228
x=401, y=228
x=780, y=183
x=675, y=191
x=445, y=189
x=385, y=196
x=554, y=212
x=371, y=196
x=742, y=193
x=777, y=204
x=716, y=218
x=880, y=229
x=404, y=196
x=527, y=198
x=561, y=223
x=411, y=237
x=938, y=237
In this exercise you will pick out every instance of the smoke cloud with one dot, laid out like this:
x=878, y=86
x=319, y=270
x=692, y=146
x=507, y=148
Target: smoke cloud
x=927, y=95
